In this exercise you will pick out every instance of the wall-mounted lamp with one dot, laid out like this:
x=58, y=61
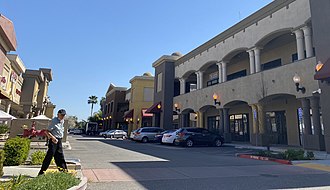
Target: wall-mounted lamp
x=196, y=115
x=319, y=66
x=131, y=120
x=138, y=121
x=176, y=106
x=110, y=117
x=215, y=98
x=126, y=120
x=297, y=80
x=159, y=106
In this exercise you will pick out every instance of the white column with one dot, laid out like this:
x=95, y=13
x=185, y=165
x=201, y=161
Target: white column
x=224, y=71
x=220, y=71
x=201, y=75
x=300, y=44
x=257, y=59
x=252, y=63
x=8, y=107
x=182, y=86
x=198, y=80
x=308, y=41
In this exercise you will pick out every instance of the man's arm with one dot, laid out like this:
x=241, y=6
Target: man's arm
x=50, y=136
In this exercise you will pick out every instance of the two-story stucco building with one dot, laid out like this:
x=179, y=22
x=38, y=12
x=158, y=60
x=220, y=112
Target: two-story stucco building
x=240, y=83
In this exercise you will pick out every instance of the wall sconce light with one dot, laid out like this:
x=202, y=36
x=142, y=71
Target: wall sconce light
x=110, y=117
x=176, y=106
x=131, y=120
x=159, y=106
x=319, y=66
x=297, y=80
x=215, y=98
x=196, y=115
x=126, y=120
x=138, y=121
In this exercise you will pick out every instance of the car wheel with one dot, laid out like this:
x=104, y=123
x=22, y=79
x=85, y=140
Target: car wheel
x=175, y=143
x=145, y=139
x=189, y=143
x=217, y=143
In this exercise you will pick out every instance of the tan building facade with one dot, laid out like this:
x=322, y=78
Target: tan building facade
x=35, y=99
x=249, y=69
x=141, y=98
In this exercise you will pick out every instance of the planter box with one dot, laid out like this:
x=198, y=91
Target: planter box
x=4, y=137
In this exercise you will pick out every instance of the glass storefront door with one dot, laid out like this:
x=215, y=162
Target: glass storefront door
x=213, y=124
x=239, y=127
x=276, y=124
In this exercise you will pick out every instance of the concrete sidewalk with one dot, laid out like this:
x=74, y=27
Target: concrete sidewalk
x=322, y=161
x=41, y=145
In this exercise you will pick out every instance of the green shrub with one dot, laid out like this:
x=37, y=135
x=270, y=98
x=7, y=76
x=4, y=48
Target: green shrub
x=38, y=157
x=310, y=155
x=51, y=181
x=292, y=154
x=2, y=159
x=16, y=151
x=4, y=129
x=14, y=183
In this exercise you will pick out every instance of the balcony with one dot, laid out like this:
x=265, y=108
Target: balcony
x=253, y=88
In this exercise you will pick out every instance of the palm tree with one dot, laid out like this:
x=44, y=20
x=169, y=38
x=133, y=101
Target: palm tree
x=92, y=100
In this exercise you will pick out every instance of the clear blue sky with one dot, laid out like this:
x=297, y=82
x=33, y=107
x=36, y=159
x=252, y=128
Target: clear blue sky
x=90, y=44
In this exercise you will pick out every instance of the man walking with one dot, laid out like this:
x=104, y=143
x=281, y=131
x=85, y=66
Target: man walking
x=55, y=133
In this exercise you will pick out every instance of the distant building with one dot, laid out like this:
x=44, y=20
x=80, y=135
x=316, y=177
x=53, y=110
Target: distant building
x=114, y=108
x=35, y=99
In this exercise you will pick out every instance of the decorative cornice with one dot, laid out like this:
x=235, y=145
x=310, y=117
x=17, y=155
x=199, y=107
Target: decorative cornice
x=252, y=19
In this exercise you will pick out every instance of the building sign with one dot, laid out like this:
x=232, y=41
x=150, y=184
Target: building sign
x=18, y=92
x=13, y=77
x=3, y=83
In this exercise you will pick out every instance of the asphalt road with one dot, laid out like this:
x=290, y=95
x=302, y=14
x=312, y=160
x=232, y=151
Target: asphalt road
x=124, y=164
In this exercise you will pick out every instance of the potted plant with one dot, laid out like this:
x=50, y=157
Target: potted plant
x=4, y=132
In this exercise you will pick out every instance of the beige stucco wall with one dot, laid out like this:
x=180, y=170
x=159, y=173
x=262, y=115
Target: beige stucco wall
x=287, y=18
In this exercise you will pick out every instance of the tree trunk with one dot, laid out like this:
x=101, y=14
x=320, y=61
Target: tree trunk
x=92, y=110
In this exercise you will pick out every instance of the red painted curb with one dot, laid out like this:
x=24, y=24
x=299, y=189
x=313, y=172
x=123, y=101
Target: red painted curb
x=286, y=162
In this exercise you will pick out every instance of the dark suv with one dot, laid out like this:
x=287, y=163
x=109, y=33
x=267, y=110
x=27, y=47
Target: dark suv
x=198, y=136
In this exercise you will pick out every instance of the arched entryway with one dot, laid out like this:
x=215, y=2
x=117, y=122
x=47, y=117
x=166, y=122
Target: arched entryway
x=239, y=118
x=281, y=118
x=188, y=118
x=211, y=119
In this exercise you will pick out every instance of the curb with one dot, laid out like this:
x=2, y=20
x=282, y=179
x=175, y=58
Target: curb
x=280, y=161
x=82, y=185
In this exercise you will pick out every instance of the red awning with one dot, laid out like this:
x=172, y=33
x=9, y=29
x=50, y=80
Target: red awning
x=129, y=114
x=324, y=72
x=144, y=114
x=156, y=108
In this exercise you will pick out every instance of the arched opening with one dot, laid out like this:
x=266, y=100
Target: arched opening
x=238, y=64
x=278, y=48
x=188, y=118
x=283, y=123
x=211, y=119
x=190, y=81
x=211, y=75
x=240, y=120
